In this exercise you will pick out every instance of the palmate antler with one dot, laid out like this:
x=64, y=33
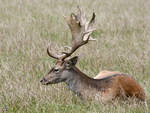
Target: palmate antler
x=81, y=30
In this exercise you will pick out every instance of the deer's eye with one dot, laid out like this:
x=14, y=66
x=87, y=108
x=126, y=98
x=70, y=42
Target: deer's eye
x=56, y=70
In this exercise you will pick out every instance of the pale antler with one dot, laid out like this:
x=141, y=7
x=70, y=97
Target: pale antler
x=81, y=30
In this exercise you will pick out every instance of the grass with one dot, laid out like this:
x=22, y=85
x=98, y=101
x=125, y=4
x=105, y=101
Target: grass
x=28, y=27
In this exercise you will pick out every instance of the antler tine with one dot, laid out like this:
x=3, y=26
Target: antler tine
x=81, y=16
x=91, y=22
x=53, y=55
x=79, y=10
x=89, y=28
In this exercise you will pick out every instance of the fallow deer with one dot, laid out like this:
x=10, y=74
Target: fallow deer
x=105, y=89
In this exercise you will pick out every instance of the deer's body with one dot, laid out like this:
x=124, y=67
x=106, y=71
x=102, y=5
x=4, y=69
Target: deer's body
x=106, y=86
x=104, y=89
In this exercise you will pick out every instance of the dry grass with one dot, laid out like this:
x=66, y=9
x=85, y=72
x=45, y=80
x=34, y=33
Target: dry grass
x=26, y=29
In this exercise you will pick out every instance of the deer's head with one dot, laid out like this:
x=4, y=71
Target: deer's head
x=60, y=72
x=81, y=33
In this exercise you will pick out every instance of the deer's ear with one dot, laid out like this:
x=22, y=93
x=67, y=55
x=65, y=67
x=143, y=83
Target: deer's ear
x=71, y=62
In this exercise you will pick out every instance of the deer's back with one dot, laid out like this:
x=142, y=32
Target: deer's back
x=105, y=73
x=122, y=86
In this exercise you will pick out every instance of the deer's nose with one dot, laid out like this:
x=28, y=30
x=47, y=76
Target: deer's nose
x=42, y=80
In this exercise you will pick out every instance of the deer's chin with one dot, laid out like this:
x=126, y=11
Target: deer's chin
x=44, y=83
x=47, y=83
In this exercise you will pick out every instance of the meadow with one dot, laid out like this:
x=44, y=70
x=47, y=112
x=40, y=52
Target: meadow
x=28, y=27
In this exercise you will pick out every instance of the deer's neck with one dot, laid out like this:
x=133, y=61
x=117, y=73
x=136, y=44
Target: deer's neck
x=78, y=82
x=74, y=82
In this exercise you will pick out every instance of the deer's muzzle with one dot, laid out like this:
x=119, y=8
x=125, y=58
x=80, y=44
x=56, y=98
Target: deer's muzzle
x=44, y=81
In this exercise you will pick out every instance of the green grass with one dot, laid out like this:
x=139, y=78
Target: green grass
x=27, y=27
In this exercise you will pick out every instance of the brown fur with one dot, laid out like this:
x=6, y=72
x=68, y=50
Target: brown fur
x=122, y=84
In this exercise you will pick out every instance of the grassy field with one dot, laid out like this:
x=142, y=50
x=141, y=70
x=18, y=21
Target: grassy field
x=27, y=27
